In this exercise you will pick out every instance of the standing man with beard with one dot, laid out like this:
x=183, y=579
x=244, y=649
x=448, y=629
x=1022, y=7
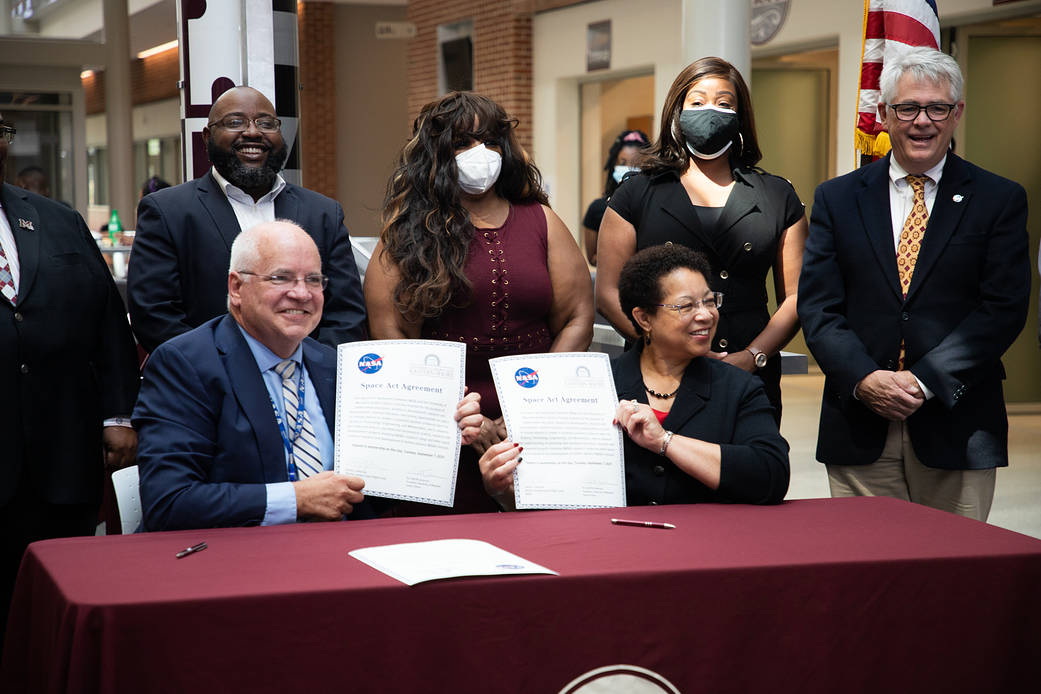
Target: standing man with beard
x=177, y=277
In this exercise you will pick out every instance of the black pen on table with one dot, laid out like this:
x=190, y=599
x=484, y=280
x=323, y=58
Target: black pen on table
x=191, y=550
x=643, y=524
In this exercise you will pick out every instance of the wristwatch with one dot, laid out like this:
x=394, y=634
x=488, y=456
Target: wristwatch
x=759, y=357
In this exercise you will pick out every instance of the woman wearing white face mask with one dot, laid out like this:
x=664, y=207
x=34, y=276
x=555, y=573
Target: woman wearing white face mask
x=622, y=159
x=699, y=186
x=470, y=251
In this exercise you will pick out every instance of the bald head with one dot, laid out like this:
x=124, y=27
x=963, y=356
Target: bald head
x=232, y=99
x=250, y=245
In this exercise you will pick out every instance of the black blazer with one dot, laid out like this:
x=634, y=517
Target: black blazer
x=718, y=403
x=209, y=441
x=67, y=358
x=178, y=273
x=966, y=304
x=741, y=249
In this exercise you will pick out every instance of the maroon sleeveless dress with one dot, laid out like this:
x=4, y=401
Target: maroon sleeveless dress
x=505, y=312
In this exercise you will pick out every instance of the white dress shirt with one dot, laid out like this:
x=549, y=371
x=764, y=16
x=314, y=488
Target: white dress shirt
x=247, y=211
x=901, y=200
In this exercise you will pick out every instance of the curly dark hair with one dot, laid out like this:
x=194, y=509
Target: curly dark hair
x=627, y=138
x=426, y=230
x=639, y=283
x=669, y=152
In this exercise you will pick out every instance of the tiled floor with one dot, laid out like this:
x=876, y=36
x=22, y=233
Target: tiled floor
x=1017, y=497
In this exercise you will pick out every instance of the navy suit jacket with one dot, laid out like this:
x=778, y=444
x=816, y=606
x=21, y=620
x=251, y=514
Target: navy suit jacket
x=67, y=358
x=209, y=441
x=966, y=304
x=178, y=273
x=718, y=403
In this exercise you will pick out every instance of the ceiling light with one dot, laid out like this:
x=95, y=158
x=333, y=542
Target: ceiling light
x=157, y=49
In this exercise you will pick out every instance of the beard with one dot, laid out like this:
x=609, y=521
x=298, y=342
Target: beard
x=247, y=177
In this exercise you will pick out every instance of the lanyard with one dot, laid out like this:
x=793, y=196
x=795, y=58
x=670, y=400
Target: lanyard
x=287, y=440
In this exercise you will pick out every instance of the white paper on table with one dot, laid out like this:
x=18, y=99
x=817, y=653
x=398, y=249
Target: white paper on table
x=395, y=417
x=416, y=562
x=560, y=407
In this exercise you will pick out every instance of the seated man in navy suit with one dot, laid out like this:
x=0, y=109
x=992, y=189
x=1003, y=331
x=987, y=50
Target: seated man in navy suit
x=222, y=441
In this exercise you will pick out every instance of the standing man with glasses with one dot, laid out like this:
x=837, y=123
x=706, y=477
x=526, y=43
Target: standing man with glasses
x=224, y=440
x=68, y=374
x=176, y=277
x=915, y=280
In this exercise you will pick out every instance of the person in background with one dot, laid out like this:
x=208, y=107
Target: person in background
x=711, y=437
x=34, y=179
x=176, y=279
x=699, y=187
x=68, y=374
x=224, y=439
x=470, y=251
x=153, y=184
x=622, y=159
x=916, y=280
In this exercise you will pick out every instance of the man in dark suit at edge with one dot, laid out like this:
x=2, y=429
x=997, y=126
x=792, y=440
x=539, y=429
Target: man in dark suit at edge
x=915, y=280
x=68, y=375
x=177, y=274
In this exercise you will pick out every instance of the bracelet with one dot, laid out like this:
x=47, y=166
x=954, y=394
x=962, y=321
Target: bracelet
x=665, y=442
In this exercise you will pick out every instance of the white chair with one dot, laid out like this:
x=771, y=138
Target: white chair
x=128, y=498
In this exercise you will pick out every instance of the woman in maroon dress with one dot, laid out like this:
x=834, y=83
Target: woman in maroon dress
x=470, y=251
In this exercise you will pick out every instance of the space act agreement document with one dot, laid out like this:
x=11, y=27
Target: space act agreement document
x=395, y=417
x=560, y=407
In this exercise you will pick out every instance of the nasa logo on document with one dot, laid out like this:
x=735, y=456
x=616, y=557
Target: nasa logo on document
x=526, y=378
x=620, y=679
x=370, y=363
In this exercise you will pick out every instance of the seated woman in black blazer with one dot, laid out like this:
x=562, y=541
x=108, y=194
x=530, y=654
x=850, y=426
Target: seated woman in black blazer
x=699, y=429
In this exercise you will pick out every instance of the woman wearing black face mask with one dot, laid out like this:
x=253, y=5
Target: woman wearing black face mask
x=699, y=186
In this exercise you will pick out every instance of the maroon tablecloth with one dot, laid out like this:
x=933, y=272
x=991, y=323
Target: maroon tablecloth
x=843, y=595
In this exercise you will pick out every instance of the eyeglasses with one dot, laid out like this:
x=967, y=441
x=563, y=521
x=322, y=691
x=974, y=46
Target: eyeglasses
x=935, y=112
x=238, y=124
x=711, y=303
x=8, y=133
x=313, y=282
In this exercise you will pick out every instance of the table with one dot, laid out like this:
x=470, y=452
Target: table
x=850, y=595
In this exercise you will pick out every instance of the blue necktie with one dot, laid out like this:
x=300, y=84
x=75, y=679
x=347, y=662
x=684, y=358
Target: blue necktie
x=306, y=456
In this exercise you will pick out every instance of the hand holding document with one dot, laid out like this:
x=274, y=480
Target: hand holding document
x=395, y=426
x=415, y=562
x=560, y=407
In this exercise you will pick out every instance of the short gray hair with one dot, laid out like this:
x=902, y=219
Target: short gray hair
x=925, y=65
x=245, y=250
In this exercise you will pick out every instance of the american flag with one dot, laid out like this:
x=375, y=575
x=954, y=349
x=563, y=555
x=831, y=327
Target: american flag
x=889, y=27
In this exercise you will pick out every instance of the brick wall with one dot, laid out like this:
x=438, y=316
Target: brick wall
x=501, y=53
x=315, y=32
x=151, y=79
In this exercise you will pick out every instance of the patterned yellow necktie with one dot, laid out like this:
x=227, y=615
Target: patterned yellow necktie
x=911, y=241
x=912, y=234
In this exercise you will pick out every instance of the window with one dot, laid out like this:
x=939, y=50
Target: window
x=455, y=56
